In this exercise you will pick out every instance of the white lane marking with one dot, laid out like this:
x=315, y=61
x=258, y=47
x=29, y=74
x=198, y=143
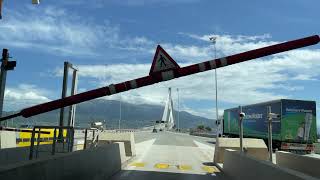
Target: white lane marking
x=143, y=146
x=183, y=134
x=207, y=150
x=202, y=145
x=146, y=143
x=142, y=150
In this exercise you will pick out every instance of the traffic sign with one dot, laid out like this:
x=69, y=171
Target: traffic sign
x=162, y=61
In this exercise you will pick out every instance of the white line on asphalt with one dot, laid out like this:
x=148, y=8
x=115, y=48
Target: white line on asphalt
x=202, y=145
x=142, y=150
x=205, y=149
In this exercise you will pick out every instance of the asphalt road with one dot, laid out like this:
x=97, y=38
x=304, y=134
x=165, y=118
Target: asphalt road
x=172, y=138
x=168, y=155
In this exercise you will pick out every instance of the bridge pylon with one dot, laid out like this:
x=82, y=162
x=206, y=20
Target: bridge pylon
x=167, y=116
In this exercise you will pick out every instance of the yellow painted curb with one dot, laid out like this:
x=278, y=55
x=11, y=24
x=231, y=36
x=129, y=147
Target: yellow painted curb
x=184, y=167
x=162, y=166
x=210, y=169
x=137, y=164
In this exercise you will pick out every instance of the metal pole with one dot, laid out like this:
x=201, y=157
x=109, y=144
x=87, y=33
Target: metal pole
x=178, y=110
x=269, y=132
x=38, y=142
x=3, y=77
x=241, y=129
x=171, y=109
x=71, y=115
x=213, y=40
x=71, y=145
x=85, y=139
x=93, y=135
x=63, y=95
x=120, y=113
x=215, y=72
x=73, y=92
x=32, y=144
x=53, y=150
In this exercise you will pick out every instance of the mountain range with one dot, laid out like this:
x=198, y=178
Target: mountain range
x=132, y=115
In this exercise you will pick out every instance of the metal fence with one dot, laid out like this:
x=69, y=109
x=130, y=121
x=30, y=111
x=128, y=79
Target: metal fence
x=65, y=141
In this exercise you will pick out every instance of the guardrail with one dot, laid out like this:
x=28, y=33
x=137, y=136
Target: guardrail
x=95, y=137
x=121, y=130
x=67, y=141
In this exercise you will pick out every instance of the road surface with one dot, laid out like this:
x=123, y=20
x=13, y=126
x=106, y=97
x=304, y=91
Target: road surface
x=168, y=155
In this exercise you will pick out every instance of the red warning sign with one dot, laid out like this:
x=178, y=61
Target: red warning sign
x=162, y=61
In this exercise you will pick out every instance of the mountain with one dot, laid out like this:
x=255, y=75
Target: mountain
x=132, y=115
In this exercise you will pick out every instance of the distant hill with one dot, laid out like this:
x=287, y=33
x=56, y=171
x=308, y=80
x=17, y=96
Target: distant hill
x=133, y=116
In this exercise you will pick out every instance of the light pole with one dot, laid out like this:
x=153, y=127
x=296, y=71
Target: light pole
x=269, y=132
x=120, y=113
x=213, y=39
x=178, y=110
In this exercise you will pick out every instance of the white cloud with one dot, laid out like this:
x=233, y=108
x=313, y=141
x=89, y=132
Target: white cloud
x=24, y=95
x=103, y=3
x=254, y=81
x=108, y=74
x=229, y=44
x=62, y=32
x=228, y=38
x=225, y=45
x=204, y=112
x=304, y=77
x=187, y=53
x=146, y=2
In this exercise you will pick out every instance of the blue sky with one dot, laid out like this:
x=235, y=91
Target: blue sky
x=112, y=41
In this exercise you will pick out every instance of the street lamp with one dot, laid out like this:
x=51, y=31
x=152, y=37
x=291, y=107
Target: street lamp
x=120, y=113
x=178, y=110
x=213, y=39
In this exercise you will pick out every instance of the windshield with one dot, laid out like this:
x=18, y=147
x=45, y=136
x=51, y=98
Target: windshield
x=142, y=89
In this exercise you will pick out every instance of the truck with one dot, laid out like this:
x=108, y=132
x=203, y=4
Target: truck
x=98, y=125
x=294, y=128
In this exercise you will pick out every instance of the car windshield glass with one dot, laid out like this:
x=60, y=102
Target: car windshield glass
x=159, y=89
